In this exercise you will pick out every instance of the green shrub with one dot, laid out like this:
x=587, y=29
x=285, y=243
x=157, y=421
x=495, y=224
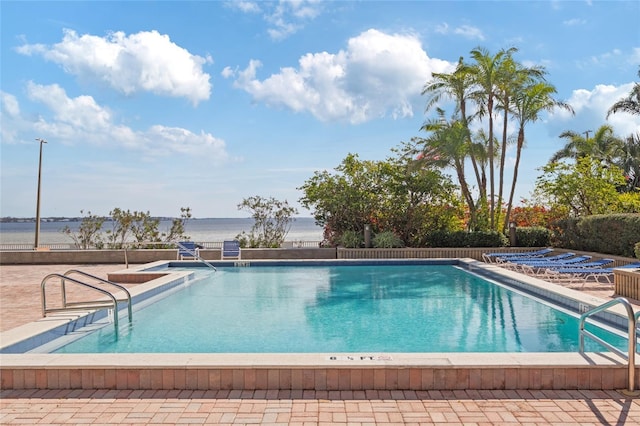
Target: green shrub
x=637, y=250
x=387, y=239
x=351, y=239
x=614, y=234
x=466, y=239
x=533, y=236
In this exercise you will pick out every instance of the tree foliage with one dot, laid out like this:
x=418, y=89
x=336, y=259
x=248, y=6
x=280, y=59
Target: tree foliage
x=127, y=227
x=88, y=234
x=272, y=221
x=586, y=187
x=487, y=87
x=391, y=195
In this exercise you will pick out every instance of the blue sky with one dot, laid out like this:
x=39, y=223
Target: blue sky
x=153, y=106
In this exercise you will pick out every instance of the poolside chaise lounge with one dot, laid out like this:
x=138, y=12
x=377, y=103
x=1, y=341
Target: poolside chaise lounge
x=230, y=249
x=514, y=262
x=584, y=274
x=533, y=266
x=498, y=257
x=551, y=271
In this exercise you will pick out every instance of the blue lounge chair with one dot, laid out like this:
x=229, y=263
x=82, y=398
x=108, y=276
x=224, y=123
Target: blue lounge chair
x=498, y=257
x=187, y=249
x=533, y=266
x=550, y=272
x=508, y=263
x=584, y=274
x=230, y=249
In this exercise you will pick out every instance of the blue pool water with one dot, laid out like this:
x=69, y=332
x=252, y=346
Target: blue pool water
x=407, y=308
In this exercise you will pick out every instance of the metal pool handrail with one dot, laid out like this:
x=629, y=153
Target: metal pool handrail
x=630, y=356
x=195, y=255
x=102, y=280
x=96, y=304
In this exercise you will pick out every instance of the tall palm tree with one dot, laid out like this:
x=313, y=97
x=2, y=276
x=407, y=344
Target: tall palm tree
x=528, y=104
x=455, y=86
x=487, y=72
x=447, y=147
x=630, y=104
x=514, y=79
x=630, y=161
x=604, y=146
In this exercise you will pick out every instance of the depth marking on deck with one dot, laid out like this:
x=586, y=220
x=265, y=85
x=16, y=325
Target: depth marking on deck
x=360, y=358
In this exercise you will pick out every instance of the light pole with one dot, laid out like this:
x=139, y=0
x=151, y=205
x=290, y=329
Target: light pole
x=37, y=243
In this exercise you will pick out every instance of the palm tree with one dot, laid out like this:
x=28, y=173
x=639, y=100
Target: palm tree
x=513, y=81
x=630, y=161
x=455, y=86
x=447, y=147
x=528, y=104
x=487, y=72
x=604, y=146
x=630, y=104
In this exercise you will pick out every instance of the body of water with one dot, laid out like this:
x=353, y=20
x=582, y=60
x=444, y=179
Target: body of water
x=201, y=230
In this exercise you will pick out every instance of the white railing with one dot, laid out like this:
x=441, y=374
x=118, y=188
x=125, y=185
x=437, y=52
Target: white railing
x=204, y=244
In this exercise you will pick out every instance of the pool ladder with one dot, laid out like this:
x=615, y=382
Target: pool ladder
x=632, y=330
x=111, y=303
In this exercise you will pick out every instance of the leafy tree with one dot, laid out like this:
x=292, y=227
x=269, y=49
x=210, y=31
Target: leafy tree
x=272, y=221
x=122, y=222
x=88, y=234
x=141, y=228
x=345, y=201
x=391, y=195
x=585, y=188
x=177, y=230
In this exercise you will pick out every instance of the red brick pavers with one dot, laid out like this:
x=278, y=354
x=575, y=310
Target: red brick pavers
x=319, y=407
x=19, y=303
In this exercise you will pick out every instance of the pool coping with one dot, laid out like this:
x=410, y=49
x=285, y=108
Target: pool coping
x=322, y=370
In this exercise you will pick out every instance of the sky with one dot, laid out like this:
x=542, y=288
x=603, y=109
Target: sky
x=153, y=106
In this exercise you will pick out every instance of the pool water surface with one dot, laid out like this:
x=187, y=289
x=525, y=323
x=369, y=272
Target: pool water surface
x=319, y=309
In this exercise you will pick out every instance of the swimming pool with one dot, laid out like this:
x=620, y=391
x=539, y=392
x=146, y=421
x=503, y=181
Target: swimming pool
x=25, y=368
x=391, y=308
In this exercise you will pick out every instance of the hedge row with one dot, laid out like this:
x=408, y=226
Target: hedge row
x=615, y=234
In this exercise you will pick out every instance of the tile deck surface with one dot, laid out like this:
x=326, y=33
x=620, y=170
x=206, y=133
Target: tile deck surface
x=20, y=304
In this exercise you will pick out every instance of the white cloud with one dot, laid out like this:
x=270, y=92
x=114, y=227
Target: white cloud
x=285, y=17
x=469, y=32
x=83, y=120
x=145, y=61
x=573, y=22
x=244, y=6
x=466, y=31
x=591, y=108
x=377, y=75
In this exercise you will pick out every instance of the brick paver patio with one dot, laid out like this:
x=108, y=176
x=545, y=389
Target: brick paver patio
x=20, y=303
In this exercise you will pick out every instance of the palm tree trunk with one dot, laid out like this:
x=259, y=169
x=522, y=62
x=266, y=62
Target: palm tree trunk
x=515, y=176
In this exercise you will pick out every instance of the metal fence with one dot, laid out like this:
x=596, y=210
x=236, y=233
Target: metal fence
x=132, y=245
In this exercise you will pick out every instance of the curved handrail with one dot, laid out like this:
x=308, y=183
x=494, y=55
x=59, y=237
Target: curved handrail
x=630, y=357
x=102, y=280
x=89, y=305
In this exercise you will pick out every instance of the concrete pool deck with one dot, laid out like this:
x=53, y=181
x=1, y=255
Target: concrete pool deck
x=20, y=303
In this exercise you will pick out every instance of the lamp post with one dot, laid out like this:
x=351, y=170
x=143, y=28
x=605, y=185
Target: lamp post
x=37, y=242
